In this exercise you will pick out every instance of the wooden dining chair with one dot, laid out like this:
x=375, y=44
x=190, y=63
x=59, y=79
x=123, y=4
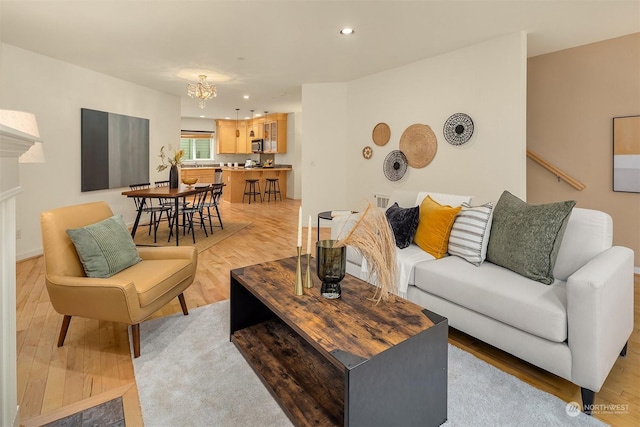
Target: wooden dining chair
x=212, y=203
x=188, y=213
x=146, y=206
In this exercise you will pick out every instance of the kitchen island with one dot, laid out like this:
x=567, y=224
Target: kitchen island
x=234, y=178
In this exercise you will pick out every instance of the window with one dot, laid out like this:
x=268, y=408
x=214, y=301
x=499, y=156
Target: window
x=197, y=145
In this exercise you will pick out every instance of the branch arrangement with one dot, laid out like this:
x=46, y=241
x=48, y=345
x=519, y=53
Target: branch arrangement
x=373, y=238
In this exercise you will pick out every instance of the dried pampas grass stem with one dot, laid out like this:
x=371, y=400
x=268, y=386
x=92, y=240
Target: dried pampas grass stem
x=373, y=238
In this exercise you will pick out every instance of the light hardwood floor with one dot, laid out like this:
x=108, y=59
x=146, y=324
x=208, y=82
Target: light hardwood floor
x=95, y=363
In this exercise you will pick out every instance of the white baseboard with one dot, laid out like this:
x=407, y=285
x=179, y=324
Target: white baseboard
x=30, y=254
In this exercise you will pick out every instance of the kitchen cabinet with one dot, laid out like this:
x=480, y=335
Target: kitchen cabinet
x=275, y=133
x=226, y=140
x=273, y=129
x=205, y=175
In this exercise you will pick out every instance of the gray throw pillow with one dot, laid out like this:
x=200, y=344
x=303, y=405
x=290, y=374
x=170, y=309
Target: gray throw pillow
x=404, y=223
x=105, y=248
x=526, y=238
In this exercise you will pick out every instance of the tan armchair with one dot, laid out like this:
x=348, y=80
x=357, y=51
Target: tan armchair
x=129, y=296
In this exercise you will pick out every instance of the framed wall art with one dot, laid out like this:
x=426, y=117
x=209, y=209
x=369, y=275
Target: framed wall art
x=626, y=154
x=115, y=150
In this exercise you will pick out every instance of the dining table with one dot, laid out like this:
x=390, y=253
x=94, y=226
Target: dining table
x=175, y=194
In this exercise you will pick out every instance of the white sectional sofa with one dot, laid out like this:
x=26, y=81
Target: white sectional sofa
x=575, y=327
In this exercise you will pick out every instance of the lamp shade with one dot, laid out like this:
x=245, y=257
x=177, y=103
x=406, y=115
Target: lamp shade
x=22, y=122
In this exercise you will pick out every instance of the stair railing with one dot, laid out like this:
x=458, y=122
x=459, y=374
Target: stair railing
x=557, y=172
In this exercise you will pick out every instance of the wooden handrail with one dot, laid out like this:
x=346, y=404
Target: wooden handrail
x=557, y=172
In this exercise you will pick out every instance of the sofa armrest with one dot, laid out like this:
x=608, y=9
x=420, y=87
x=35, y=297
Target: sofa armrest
x=110, y=299
x=600, y=314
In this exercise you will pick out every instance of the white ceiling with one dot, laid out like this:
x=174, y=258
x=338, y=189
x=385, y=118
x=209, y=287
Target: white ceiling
x=268, y=49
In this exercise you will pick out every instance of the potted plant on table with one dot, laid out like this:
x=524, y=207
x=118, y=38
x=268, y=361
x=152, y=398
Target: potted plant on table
x=172, y=161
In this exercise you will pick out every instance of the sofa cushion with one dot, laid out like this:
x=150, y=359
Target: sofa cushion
x=588, y=233
x=443, y=198
x=498, y=293
x=154, y=278
x=469, y=236
x=104, y=248
x=526, y=238
x=403, y=222
x=434, y=227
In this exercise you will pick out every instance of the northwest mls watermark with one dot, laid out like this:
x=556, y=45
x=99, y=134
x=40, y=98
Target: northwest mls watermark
x=573, y=409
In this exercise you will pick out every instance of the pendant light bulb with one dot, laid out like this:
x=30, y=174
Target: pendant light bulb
x=237, y=130
x=252, y=133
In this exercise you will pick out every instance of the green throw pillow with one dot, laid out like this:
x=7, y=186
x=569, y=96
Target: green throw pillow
x=105, y=248
x=526, y=238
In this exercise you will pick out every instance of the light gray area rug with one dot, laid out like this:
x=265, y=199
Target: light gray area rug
x=190, y=374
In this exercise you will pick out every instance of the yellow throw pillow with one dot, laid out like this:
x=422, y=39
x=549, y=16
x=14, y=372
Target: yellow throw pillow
x=434, y=227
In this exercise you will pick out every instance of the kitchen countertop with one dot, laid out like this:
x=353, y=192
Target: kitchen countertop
x=240, y=167
x=260, y=168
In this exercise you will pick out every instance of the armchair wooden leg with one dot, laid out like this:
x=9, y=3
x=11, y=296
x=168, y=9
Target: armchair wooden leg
x=183, y=304
x=135, y=332
x=64, y=329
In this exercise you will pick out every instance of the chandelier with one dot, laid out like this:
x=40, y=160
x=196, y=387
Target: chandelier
x=202, y=90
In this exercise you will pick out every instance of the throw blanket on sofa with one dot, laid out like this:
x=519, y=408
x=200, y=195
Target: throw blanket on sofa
x=407, y=258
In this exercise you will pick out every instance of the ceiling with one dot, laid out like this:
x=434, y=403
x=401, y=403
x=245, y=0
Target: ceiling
x=268, y=49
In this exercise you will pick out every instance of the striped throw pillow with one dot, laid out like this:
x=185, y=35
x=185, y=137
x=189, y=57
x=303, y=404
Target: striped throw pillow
x=469, y=236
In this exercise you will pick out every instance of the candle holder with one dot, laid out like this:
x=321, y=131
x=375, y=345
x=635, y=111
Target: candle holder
x=298, y=290
x=307, y=279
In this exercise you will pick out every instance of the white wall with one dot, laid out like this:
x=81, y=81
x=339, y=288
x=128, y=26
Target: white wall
x=55, y=92
x=486, y=81
x=324, y=163
x=190, y=123
x=293, y=156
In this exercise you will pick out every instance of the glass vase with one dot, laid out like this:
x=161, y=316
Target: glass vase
x=174, y=176
x=331, y=265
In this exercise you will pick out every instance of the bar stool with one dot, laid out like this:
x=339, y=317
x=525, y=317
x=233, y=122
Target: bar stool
x=273, y=187
x=250, y=190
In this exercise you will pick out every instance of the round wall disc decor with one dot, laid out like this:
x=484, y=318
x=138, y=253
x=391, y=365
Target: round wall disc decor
x=419, y=144
x=367, y=152
x=395, y=165
x=381, y=134
x=458, y=129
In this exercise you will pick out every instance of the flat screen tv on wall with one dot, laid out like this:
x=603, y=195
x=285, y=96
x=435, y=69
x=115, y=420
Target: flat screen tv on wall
x=115, y=150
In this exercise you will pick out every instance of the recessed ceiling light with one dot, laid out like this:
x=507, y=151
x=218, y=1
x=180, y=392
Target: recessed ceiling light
x=246, y=97
x=347, y=31
x=258, y=115
x=227, y=118
x=203, y=116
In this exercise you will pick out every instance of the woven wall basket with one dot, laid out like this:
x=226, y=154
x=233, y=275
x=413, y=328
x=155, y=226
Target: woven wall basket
x=419, y=144
x=395, y=165
x=381, y=134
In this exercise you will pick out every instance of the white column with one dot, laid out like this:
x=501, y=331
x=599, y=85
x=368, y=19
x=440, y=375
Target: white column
x=8, y=387
x=13, y=143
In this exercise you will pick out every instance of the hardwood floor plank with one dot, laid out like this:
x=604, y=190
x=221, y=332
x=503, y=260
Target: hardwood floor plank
x=97, y=360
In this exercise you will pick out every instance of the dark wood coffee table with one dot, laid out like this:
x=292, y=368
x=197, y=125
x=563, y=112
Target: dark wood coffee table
x=340, y=362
